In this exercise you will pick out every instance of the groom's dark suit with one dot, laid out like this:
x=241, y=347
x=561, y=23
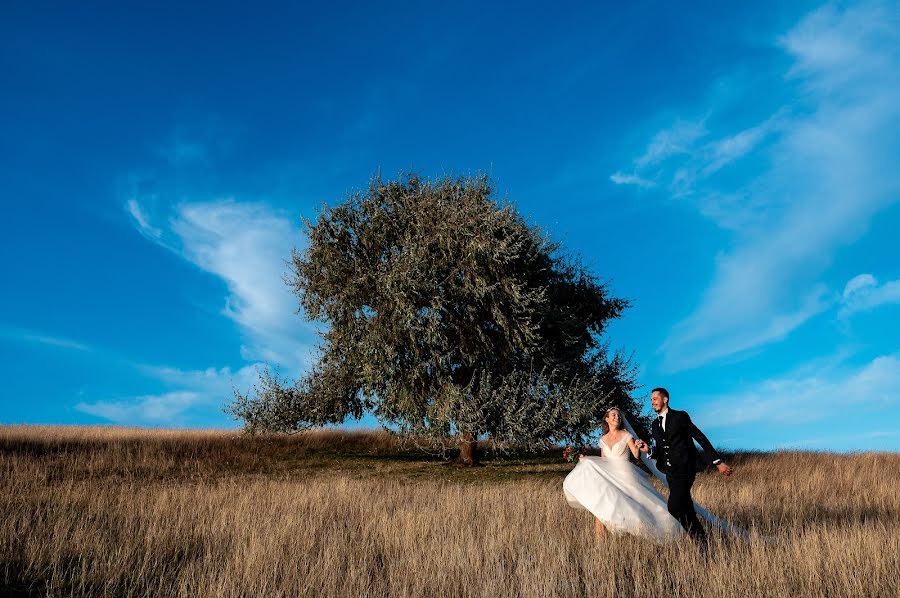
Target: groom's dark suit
x=676, y=456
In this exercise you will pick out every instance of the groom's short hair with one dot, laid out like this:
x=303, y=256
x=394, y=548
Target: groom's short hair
x=662, y=391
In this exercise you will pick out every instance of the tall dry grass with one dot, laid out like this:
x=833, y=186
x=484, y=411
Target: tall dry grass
x=112, y=512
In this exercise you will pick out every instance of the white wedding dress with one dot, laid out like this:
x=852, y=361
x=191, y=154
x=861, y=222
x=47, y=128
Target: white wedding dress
x=620, y=495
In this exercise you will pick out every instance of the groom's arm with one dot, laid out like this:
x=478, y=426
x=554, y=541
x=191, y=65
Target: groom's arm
x=654, y=452
x=704, y=442
x=644, y=447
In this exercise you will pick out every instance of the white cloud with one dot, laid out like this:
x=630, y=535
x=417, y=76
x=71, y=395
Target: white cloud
x=164, y=409
x=697, y=340
x=30, y=336
x=684, y=140
x=677, y=139
x=722, y=152
x=864, y=293
x=248, y=246
x=620, y=178
x=56, y=342
x=142, y=221
x=187, y=393
x=192, y=393
x=844, y=51
x=824, y=170
x=857, y=283
x=809, y=395
x=682, y=158
x=208, y=381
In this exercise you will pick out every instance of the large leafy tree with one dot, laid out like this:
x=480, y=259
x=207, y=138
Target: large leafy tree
x=446, y=314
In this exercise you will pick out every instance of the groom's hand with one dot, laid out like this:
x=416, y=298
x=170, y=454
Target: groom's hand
x=642, y=446
x=723, y=468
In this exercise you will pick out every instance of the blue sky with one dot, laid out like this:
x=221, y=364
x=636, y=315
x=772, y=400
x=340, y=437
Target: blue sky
x=732, y=169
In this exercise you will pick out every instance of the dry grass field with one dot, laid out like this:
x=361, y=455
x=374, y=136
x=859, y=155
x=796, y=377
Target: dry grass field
x=120, y=512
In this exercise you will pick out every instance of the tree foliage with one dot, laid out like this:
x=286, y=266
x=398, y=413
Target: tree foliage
x=446, y=313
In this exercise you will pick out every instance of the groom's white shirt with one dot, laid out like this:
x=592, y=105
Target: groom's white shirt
x=662, y=415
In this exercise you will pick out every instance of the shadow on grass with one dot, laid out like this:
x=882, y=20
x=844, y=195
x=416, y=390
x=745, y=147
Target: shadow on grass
x=17, y=582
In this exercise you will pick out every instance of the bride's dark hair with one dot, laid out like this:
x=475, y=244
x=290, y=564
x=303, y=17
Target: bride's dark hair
x=604, y=425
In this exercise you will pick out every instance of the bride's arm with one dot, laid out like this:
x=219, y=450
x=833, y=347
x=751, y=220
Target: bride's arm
x=634, y=449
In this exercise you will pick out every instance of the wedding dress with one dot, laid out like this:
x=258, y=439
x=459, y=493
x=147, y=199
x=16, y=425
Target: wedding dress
x=620, y=495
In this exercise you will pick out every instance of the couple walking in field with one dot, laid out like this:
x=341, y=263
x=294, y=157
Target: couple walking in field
x=622, y=497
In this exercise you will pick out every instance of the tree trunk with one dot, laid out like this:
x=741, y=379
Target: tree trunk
x=468, y=451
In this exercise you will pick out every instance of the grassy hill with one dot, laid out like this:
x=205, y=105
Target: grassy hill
x=115, y=512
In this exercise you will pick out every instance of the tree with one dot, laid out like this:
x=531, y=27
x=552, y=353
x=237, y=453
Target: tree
x=446, y=314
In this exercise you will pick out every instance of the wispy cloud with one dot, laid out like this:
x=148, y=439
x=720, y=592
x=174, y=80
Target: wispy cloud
x=620, y=178
x=845, y=50
x=163, y=409
x=821, y=169
x=207, y=381
x=726, y=150
x=809, y=395
x=864, y=293
x=192, y=395
x=141, y=220
x=247, y=245
x=30, y=336
x=189, y=397
x=679, y=139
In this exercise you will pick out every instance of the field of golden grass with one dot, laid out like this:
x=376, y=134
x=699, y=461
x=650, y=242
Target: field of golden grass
x=123, y=512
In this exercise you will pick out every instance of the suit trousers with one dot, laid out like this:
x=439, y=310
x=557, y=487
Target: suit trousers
x=681, y=505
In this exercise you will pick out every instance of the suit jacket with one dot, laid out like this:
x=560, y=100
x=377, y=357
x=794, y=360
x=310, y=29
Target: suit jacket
x=674, y=448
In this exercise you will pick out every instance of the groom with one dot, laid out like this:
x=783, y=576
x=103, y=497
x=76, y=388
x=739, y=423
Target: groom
x=675, y=454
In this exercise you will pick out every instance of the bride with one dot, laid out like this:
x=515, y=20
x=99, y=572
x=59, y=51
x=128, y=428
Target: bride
x=618, y=494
